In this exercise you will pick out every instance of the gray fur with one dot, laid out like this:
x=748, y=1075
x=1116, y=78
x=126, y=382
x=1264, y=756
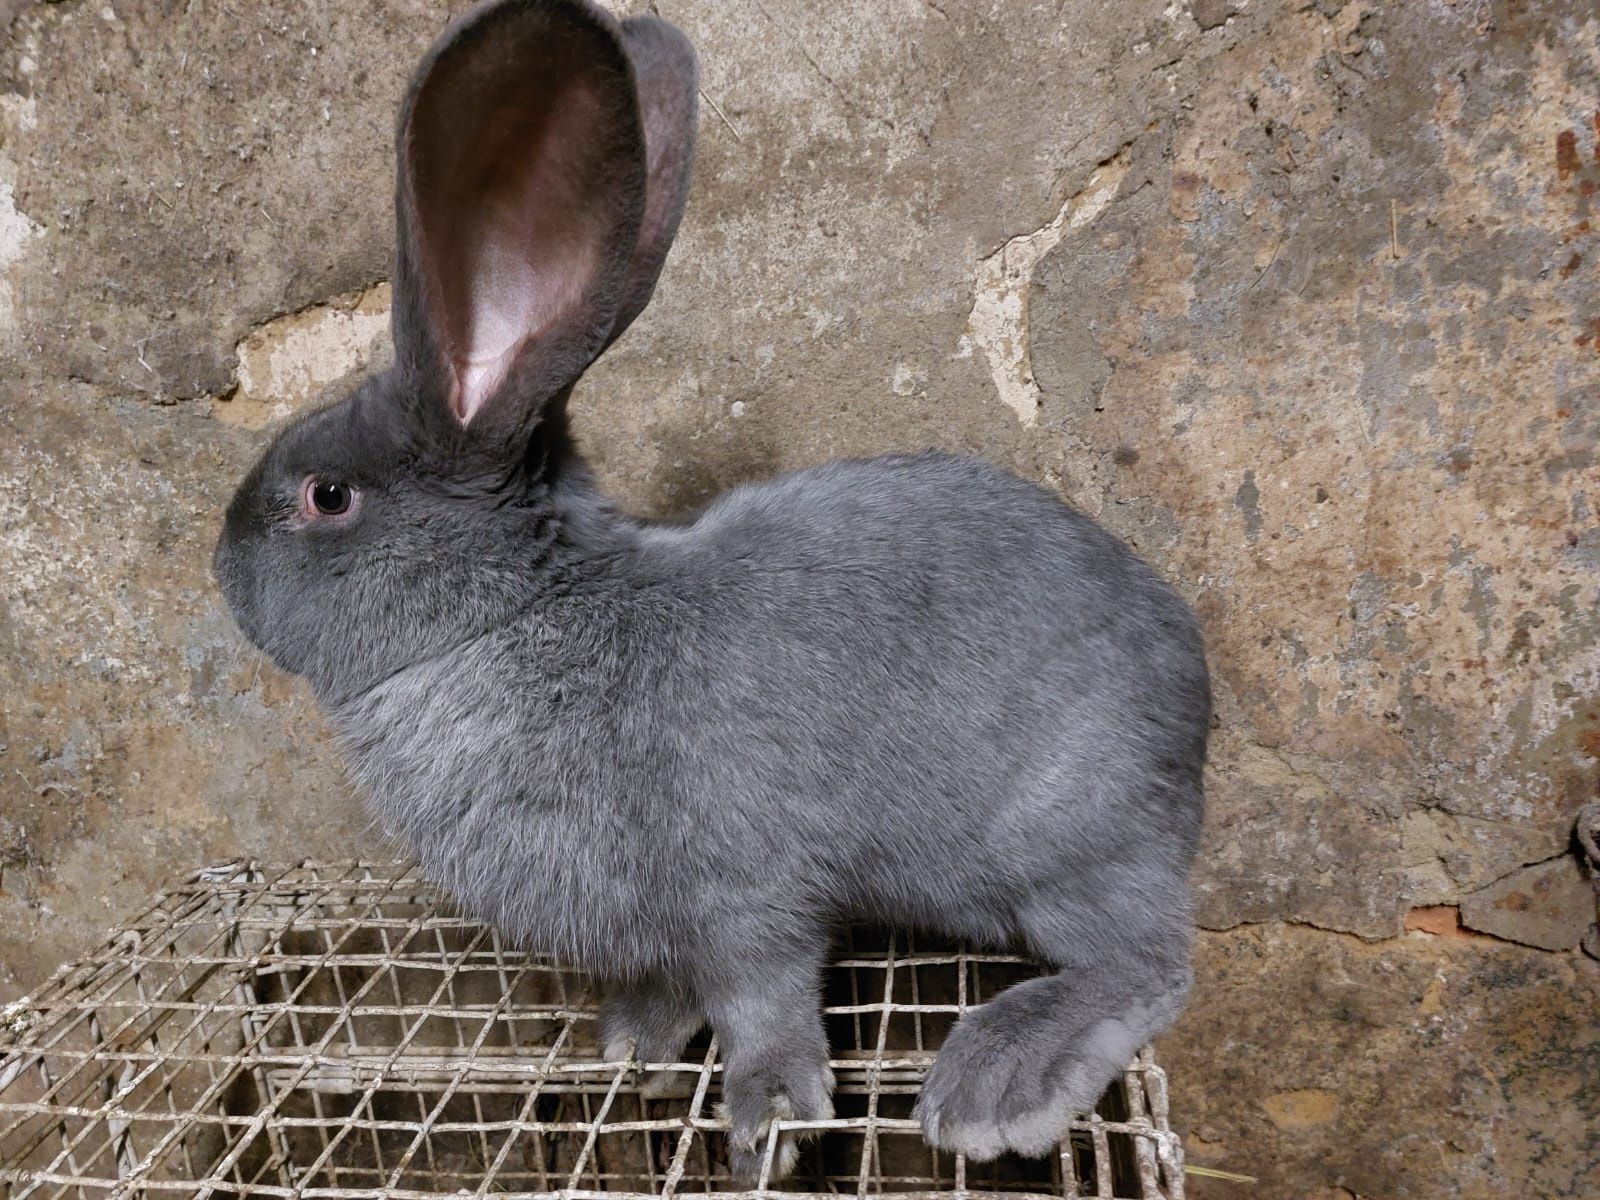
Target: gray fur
x=914, y=690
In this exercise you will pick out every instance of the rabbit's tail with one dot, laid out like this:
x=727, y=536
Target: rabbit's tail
x=1015, y=1072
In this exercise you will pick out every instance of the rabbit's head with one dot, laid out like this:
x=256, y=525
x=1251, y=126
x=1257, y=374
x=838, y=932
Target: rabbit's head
x=544, y=153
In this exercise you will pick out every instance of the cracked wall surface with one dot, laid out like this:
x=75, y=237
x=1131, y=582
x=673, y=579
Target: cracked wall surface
x=1301, y=299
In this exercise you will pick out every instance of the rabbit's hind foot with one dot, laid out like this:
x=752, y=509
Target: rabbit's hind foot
x=1015, y=1073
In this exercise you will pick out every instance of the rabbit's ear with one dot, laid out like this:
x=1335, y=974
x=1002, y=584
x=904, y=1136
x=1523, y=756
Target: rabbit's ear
x=668, y=86
x=520, y=195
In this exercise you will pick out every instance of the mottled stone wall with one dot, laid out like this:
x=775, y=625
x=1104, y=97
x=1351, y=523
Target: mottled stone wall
x=1300, y=298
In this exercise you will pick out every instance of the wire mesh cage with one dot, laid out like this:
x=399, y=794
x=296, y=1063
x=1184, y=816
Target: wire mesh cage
x=339, y=1031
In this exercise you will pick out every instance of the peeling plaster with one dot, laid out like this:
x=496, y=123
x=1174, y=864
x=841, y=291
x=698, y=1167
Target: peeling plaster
x=289, y=361
x=16, y=228
x=998, y=324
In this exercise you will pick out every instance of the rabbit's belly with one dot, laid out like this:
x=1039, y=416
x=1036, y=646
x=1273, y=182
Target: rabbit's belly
x=499, y=824
x=538, y=880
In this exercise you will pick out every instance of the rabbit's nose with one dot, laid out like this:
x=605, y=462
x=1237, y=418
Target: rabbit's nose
x=231, y=569
x=225, y=565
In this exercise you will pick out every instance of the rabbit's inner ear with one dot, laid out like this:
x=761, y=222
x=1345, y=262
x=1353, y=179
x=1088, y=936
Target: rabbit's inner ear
x=516, y=248
x=521, y=190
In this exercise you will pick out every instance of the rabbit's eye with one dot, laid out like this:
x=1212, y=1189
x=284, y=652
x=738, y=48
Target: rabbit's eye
x=325, y=498
x=330, y=499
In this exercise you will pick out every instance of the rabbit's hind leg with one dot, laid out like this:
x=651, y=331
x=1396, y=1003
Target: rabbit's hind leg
x=1016, y=1071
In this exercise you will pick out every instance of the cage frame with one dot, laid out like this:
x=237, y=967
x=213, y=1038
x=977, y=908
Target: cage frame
x=223, y=950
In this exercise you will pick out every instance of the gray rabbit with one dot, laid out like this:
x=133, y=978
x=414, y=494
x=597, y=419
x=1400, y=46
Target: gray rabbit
x=913, y=690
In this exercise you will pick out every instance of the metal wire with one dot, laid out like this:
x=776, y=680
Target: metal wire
x=338, y=1031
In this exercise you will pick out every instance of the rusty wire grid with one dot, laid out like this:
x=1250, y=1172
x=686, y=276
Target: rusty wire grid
x=339, y=1031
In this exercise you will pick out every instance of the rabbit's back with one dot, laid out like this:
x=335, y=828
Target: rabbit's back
x=931, y=680
x=937, y=564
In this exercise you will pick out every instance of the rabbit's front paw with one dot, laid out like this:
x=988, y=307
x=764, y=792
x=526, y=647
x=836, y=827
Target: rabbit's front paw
x=649, y=1022
x=756, y=1095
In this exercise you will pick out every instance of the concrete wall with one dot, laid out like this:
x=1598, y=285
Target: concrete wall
x=1298, y=297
